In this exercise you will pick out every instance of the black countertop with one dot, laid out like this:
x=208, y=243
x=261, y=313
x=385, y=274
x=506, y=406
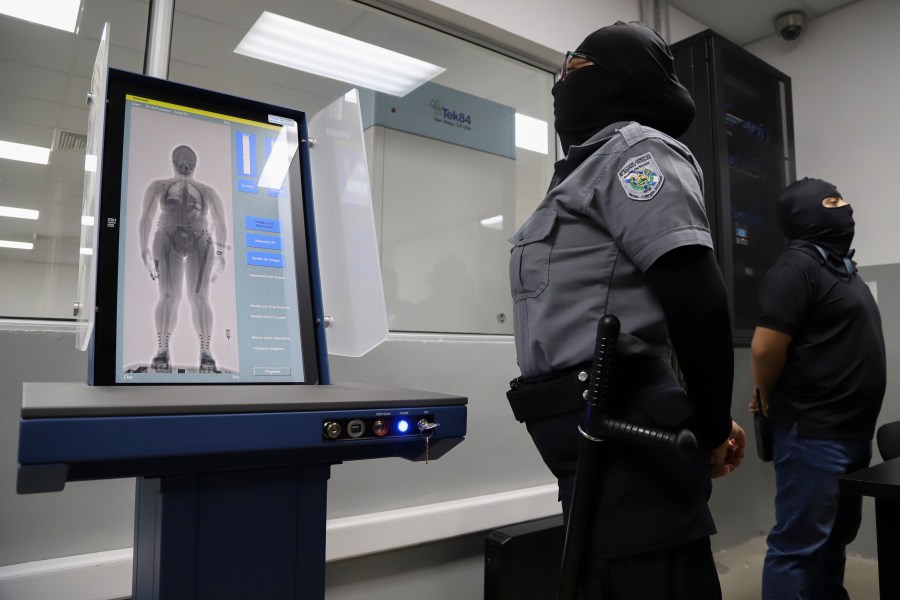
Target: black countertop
x=880, y=481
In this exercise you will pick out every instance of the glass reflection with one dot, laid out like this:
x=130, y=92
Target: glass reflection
x=43, y=103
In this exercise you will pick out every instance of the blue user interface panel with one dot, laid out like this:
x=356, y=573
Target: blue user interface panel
x=212, y=283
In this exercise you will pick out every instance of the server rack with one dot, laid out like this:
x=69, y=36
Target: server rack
x=743, y=138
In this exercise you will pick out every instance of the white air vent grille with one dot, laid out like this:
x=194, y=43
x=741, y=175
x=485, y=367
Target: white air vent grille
x=68, y=141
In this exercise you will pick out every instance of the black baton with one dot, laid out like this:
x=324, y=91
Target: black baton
x=597, y=427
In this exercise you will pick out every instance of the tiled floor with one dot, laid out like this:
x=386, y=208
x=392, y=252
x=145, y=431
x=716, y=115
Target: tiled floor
x=740, y=573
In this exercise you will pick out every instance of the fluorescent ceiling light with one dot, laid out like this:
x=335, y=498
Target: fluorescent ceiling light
x=24, y=152
x=87, y=220
x=531, y=134
x=493, y=222
x=59, y=14
x=90, y=163
x=86, y=251
x=304, y=47
x=19, y=213
x=16, y=245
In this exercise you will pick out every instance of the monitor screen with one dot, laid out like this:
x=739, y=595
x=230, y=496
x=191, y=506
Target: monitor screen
x=203, y=267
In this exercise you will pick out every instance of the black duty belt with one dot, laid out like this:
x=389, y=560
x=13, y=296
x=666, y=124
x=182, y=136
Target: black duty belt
x=562, y=391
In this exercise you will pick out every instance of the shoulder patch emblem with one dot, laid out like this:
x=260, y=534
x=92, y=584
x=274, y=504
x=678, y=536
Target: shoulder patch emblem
x=641, y=177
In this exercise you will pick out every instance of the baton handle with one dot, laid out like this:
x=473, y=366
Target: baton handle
x=603, y=369
x=682, y=444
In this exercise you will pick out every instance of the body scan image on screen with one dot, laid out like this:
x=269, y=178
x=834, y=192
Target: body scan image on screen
x=207, y=288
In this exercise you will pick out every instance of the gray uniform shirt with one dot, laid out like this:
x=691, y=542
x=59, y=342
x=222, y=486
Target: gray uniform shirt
x=583, y=252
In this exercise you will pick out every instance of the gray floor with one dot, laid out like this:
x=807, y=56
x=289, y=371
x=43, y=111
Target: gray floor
x=740, y=572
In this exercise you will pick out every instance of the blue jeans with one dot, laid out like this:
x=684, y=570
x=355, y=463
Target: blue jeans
x=814, y=522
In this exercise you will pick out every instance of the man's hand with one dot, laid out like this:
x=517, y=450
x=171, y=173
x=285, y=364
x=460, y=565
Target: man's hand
x=727, y=457
x=757, y=403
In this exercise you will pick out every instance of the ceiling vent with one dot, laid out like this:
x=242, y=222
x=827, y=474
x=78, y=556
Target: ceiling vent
x=68, y=141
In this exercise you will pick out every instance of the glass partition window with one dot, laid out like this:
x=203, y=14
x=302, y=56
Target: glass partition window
x=455, y=164
x=43, y=131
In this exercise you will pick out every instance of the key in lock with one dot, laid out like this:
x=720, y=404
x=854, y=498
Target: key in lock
x=426, y=429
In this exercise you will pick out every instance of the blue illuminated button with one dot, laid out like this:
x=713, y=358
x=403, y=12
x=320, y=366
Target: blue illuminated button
x=402, y=425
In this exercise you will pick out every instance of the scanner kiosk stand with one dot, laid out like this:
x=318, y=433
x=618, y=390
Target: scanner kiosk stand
x=232, y=460
x=231, y=495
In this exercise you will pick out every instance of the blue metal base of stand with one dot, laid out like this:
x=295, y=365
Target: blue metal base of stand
x=232, y=535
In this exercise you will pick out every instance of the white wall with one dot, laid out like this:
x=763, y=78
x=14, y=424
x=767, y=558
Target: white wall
x=846, y=87
x=559, y=26
x=31, y=288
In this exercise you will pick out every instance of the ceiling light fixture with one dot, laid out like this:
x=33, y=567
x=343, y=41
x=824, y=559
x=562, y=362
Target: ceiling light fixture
x=59, y=14
x=24, y=152
x=16, y=245
x=307, y=48
x=19, y=213
x=493, y=222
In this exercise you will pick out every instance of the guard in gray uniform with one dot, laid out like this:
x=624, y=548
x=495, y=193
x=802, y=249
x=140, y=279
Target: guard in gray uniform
x=622, y=231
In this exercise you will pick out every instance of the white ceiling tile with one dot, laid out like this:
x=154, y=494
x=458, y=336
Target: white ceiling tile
x=74, y=119
x=36, y=45
x=743, y=22
x=31, y=81
x=127, y=22
x=29, y=110
x=77, y=89
x=222, y=81
x=26, y=133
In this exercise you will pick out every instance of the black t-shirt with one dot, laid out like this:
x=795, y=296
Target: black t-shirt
x=835, y=374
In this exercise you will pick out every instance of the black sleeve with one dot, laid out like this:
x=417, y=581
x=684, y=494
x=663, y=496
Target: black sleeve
x=689, y=286
x=786, y=295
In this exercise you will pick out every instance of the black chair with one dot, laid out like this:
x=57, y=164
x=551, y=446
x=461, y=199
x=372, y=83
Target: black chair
x=888, y=440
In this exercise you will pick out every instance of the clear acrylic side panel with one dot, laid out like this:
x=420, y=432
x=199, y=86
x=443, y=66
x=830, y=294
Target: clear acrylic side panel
x=352, y=291
x=87, y=261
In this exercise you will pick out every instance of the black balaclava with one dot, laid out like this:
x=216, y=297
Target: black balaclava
x=632, y=79
x=801, y=216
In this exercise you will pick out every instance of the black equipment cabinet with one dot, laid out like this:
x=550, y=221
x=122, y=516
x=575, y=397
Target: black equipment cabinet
x=743, y=138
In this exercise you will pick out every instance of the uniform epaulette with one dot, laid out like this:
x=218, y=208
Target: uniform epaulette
x=633, y=133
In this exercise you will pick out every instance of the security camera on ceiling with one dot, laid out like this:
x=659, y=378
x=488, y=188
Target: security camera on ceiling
x=790, y=25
